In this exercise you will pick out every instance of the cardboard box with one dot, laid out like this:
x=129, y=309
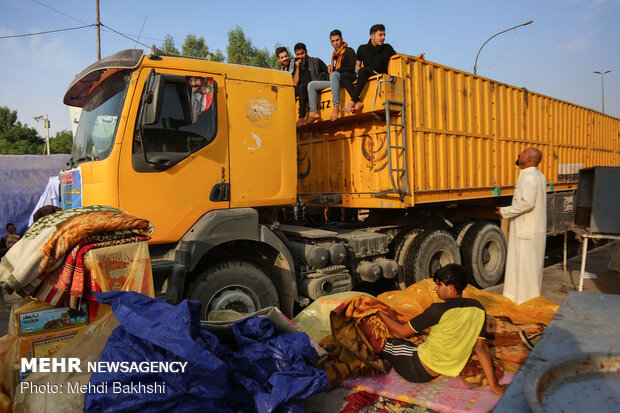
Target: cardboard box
x=44, y=344
x=40, y=317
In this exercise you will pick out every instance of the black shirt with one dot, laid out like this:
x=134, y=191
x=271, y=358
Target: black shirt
x=304, y=75
x=348, y=61
x=375, y=57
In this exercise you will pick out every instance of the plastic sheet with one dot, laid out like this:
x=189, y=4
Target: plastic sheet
x=152, y=330
x=314, y=319
x=417, y=297
x=87, y=346
x=125, y=267
x=264, y=371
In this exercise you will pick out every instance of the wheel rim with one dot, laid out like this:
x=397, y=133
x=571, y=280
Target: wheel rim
x=439, y=259
x=491, y=254
x=234, y=298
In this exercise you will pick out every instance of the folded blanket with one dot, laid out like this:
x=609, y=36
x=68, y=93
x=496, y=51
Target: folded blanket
x=45, y=244
x=71, y=282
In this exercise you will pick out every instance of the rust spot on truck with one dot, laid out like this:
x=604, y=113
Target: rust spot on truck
x=259, y=109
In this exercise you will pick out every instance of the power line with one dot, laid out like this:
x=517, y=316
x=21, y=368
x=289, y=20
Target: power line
x=60, y=12
x=78, y=20
x=46, y=32
x=121, y=34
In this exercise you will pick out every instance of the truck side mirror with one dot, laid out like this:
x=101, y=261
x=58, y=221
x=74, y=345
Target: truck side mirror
x=153, y=99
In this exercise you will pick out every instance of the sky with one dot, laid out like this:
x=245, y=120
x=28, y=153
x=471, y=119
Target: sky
x=556, y=55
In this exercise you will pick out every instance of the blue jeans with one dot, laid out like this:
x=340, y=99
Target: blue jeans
x=317, y=85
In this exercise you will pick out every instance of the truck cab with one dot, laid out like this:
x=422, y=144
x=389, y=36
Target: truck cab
x=207, y=153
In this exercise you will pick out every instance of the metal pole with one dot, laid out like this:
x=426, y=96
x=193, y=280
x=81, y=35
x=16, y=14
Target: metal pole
x=584, y=255
x=565, y=250
x=602, y=87
x=603, y=92
x=497, y=34
x=47, y=134
x=98, y=34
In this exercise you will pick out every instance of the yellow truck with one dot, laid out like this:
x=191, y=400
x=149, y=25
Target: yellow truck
x=208, y=152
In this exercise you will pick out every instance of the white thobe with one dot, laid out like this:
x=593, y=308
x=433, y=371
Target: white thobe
x=528, y=235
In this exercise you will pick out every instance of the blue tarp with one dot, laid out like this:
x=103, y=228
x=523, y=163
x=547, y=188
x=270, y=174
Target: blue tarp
x=23, y=179
x=264, y=372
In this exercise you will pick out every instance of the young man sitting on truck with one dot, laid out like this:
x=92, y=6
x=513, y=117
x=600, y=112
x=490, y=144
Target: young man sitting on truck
x=341, y=70
x=457, y=326
x=306, y=70
x=375, y=57
x=284, y=59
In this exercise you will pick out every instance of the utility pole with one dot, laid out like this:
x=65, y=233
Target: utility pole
x=98, y=34
x=46, y=125
x=602, y=86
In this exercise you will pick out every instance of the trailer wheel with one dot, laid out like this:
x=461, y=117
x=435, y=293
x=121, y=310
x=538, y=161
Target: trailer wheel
x=233, y=285
x=459, y=230
x=484, y=254
x=429, y=251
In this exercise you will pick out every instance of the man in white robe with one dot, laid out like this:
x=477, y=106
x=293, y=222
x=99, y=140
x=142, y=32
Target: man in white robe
x=528, y=230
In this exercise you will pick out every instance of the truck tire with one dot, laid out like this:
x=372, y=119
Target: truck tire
x=401, y=245
x=484, y=254
x=233, y=285
x=459, y=229
x=429, y=251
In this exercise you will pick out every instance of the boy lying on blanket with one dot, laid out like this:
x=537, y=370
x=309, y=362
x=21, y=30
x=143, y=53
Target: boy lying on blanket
x=457, y=326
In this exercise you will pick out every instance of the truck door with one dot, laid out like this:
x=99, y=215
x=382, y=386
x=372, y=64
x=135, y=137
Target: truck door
x=174, y=162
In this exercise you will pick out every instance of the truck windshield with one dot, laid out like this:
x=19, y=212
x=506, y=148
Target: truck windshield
x=100, y=114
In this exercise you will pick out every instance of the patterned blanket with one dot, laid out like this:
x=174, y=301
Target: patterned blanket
x=45, y=245
x=69, y=283
x=444, y=394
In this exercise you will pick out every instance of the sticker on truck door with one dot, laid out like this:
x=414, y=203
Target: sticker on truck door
x=71, y=189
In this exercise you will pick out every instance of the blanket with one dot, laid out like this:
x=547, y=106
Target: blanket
x=444, y=394
x=357, y=337
x=45, y=244
x=69, y=283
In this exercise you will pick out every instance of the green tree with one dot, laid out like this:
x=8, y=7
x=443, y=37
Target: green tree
x=241, y=50
x=15, y=138
x=197, y=47
x=168, y=45
x=62, y=142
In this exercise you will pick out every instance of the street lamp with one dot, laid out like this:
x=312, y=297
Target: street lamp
x=602, y=86
x=46, y=125
x=497, y=34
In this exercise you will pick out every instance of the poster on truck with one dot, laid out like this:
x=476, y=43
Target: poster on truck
x=71, y=189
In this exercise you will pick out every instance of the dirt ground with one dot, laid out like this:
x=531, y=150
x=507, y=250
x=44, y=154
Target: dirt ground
x=556, y=285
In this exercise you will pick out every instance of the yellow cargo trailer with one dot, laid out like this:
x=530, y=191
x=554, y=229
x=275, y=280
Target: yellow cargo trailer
x=430, y=133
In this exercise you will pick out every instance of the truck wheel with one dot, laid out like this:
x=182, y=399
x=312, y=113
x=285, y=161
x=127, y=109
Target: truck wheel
x=233, y=285
x=402, y=244
x=484, y=254
x=429, y=251
x=459, y=230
